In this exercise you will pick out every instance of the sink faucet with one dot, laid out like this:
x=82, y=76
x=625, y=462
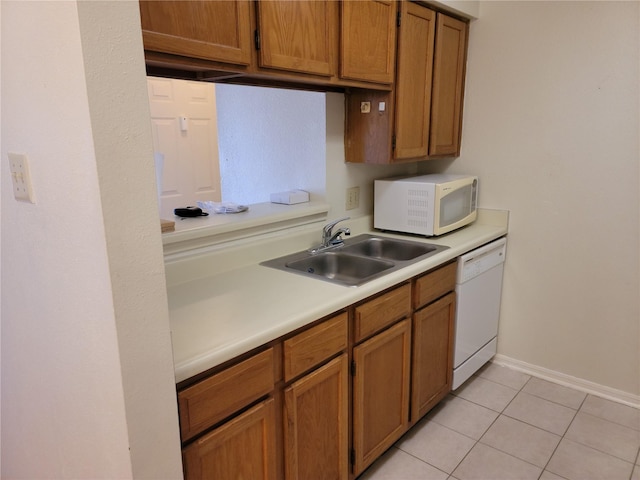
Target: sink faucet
x=330, y=238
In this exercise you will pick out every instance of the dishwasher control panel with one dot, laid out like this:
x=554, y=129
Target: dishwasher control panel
x=481, y=260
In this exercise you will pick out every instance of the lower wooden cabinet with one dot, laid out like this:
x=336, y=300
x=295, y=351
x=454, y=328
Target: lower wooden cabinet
x=380, y=393
x=432, y=367
x=241, y=448
x=316, y=427
x=219, y=396
x=325, y=402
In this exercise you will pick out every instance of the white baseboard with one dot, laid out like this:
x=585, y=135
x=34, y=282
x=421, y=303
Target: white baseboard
x=569, y=381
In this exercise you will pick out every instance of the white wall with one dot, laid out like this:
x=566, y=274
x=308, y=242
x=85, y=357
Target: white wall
x=87, y=381
x=271, y=140
x=551, y=127
x=0, y=237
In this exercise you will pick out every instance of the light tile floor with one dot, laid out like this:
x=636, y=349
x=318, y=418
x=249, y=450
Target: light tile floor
x=503, y=424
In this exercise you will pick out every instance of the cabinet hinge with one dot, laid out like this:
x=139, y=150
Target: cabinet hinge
x=353, y=368
x=398, y=19
x=352, y=456
x=256, y=39
x=393, y=143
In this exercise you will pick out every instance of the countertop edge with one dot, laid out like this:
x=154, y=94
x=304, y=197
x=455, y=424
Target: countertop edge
x=245, y=312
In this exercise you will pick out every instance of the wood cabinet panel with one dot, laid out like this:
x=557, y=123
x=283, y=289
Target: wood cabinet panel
x=298, y=36
x=316, y=424
x=380, y=392
x=320, y=411
x=413, y=81
x=219, y=31
x=215, y=398
x=434, y=285
x=382, y=311
x=426, y=100
x=313, y=346
x=241, y=448
x=433, y=340
x=367, y=136
x=368, y=40
x=448, y=86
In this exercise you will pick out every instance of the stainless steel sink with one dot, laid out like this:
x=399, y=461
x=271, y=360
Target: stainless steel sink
x=341, y=267
x=390, y=248
x=358, y=260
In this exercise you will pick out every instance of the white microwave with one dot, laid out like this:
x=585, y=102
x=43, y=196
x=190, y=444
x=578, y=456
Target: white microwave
x=427, y=205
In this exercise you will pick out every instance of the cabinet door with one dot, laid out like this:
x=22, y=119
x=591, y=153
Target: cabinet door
x=368, y=40
x=316, y=424
x=298, y=36
x=448, y=86
x=219, y=31
x=413, y=81
x=380, y=393
x=241, y=448
x=433, y=337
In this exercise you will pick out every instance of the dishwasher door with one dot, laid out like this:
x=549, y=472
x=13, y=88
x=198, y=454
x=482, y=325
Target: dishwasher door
x=478, y=290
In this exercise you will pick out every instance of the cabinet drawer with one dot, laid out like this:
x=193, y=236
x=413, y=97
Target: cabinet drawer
x=313, y=346
x=382, y=311
x=244, y=447
x=435, y=284
x=215, y=398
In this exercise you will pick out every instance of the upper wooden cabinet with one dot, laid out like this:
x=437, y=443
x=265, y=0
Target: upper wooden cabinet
x=413, y=85
x=297, y=36
x=448, y=86
x=325, y=44
x=218, y=31
x=368, y=40
x=421, y=117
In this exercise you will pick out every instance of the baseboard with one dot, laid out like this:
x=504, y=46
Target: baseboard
x=569, y=381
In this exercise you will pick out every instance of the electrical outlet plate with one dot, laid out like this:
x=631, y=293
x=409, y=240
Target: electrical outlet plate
x=21, y=177
x=353, y=198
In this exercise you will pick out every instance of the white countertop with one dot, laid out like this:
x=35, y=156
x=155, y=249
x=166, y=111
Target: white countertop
x=217, y=317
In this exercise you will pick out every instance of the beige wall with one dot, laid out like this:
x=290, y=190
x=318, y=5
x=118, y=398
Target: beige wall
x=87, y=376
x=551, y=127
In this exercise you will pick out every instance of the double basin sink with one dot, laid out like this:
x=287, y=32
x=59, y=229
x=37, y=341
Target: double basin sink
x=357, y=260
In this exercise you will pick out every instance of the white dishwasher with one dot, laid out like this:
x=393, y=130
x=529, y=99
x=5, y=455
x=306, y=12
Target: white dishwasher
x=478, y=293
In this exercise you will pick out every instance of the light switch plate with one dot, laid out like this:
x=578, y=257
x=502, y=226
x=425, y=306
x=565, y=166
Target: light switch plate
x=353, y=198
x=21, y=177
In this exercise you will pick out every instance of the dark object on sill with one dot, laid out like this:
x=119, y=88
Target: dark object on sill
x=190, y=212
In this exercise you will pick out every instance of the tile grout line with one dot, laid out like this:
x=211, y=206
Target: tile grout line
x=518, y=420
x=562, y=438
x=501, y=413
x=492, y=423
x=421, y=460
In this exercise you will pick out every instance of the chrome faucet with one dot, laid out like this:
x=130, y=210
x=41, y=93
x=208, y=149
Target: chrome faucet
x=331, y=239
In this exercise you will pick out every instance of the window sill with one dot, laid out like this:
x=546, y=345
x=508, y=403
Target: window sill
x=201, y=232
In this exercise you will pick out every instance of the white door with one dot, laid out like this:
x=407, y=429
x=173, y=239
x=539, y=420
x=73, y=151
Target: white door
x=185, y=131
